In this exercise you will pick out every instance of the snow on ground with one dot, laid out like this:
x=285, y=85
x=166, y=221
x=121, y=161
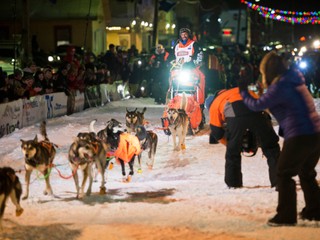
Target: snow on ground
x=183, y=197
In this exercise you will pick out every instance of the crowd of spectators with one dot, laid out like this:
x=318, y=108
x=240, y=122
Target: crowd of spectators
x=77, y=73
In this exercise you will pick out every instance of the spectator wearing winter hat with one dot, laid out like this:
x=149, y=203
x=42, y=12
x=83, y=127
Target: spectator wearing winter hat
x=18, y=85
x=30, y=89
x=48, y=80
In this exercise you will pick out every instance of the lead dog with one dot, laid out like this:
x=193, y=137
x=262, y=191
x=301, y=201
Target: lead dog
x=178, y=125
x=134, y=118
x=86, y=151
x=38, y=155
x=10, y=186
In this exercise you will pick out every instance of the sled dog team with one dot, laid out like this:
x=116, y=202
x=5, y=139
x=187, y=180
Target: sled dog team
x=88, y=153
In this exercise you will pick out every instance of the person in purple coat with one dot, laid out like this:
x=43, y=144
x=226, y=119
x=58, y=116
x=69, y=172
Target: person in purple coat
x=290, y=102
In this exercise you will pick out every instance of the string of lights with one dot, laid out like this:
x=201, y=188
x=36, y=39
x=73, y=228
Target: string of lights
x=293, y=17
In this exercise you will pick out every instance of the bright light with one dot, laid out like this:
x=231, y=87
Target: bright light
x=219, y=20
x=303, y=49
x=167, y=25
x=134, y=22
x=316, y=44
x=279, y=46
x=303, y=65
x=267, y=48
x=50, y=59
x=113, y=28
x=173, y=26
x=139, y=62
x=184, y=76
x=142, y=89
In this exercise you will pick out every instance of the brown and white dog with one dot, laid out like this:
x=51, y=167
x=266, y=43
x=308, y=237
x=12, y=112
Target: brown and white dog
x=179, y=124
x=38, y=155
x=85, y=152
x=10, y=186
x=134, y=118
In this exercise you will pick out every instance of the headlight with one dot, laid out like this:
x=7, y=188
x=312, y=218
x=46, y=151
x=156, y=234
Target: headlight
x=303, y=65
x=184, y=76
x=50, y=59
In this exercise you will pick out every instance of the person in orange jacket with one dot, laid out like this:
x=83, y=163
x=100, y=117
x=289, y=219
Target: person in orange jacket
x=229, y=120
x=188, y=53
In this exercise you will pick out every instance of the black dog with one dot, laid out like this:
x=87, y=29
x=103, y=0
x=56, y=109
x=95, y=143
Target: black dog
x=9, y=186
x=148, y=141
x=110, y=134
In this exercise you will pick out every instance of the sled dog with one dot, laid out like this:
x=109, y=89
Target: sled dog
x=178, y=124
x=10, y=186
x=148, y=144
x=38, y=155
x=86, y=151
x=134, y=118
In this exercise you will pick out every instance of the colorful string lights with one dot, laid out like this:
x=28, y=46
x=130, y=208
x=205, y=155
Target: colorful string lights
x=293, y=17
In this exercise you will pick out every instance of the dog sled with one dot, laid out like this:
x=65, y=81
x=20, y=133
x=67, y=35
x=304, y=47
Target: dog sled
x=184, y=93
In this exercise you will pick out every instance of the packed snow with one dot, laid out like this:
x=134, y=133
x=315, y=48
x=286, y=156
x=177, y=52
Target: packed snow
x=183, y=197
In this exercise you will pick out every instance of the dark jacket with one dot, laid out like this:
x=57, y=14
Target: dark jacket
x=290, y=102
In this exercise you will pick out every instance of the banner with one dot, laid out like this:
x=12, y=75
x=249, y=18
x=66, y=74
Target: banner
x=56, y=104
x=10, y=117
x=34, y=110
x=79, y=102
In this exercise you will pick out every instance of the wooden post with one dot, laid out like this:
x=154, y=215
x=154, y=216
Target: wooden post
x=155, y=24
